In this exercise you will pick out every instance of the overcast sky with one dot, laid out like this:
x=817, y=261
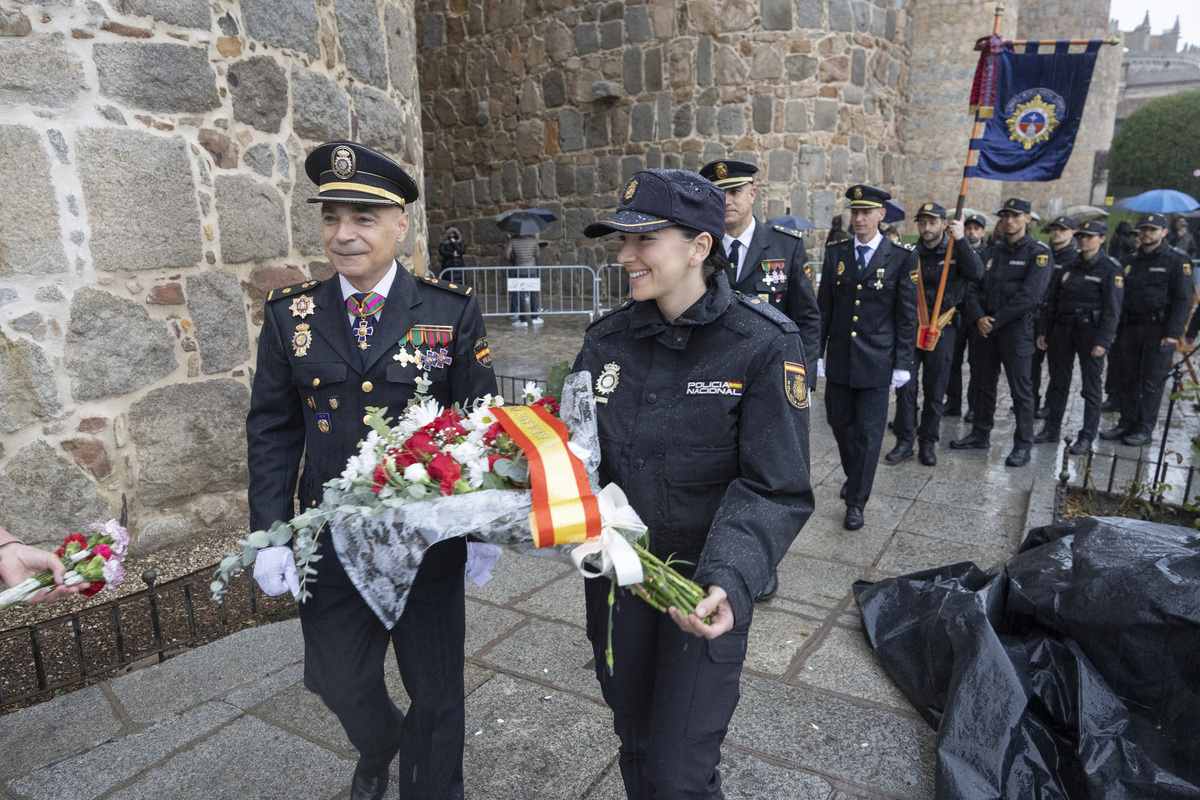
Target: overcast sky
x=1162, y=16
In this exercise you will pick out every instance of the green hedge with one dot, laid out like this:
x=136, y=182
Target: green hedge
x=1158, y=147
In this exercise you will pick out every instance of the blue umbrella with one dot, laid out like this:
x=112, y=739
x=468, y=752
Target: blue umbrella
x=1162, y=201
x=894, y=211
x=792, y=221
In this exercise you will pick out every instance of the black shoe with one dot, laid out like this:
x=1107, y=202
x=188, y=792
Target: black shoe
x=768, y=593
x=1081, y=447
x=975, y=440
x=1108, y=406
x=953, y=411
x=901, y=452
x=842, y=493
x=370, y=782
x=854, y=518
x=1136, y=439
x=1115, y=432
x=969, y=416
x=927, y=453
x=1042, y=413
x=1047, y=434
x=1017, y=458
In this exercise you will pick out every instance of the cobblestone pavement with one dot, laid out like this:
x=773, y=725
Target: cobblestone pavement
x=817, y=719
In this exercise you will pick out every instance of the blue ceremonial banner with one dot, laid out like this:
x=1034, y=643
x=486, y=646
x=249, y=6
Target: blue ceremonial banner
x=1036, y=104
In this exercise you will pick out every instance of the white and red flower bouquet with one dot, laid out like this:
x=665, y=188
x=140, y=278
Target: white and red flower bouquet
x=509, y=474
x=98, y=560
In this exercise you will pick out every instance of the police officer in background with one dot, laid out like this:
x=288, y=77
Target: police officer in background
x=1016, y=270
x=1158, y=296
x=327, y=350
x=868, y=301
x=934, y=365
x=975, y=226
x=1066, y=255
x=1080, y=320
x=765, y=262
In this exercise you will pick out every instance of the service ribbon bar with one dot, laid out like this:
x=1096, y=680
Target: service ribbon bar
x=564, y=509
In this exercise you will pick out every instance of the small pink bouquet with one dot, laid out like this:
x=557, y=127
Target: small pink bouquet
x=97, y=560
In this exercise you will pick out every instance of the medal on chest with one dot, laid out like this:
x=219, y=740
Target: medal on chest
x=878, y=284
x=774, y=274
x=430, y=347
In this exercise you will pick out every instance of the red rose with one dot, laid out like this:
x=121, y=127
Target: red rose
x=447, y=424
x=422, y=444
x=93, y=589
x=380, y=480
x=406, y=459
x=549, y=403
x=492, y=433
x=445, y=469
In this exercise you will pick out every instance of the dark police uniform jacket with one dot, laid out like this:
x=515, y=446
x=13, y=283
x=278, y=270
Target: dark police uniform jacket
x=311, y=389
x=1064, y=259
x=774, y=271
x=868, y=326
x=1087, y=293
x=1158, y=289
x=1014, y=279
x=704, y=424
x=965, y=268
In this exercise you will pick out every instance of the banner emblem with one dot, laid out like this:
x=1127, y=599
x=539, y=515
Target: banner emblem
x=1033, y=115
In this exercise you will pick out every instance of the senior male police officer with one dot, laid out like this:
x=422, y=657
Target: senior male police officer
x=868, y=302
x=327, y=350
x=765, y=261
x=934, y=365
x=1016, y=270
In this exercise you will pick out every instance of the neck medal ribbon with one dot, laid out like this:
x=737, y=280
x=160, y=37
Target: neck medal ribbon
x=564, y=509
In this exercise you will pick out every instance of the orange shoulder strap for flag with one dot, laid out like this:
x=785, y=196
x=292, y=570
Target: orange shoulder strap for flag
x=564, y=509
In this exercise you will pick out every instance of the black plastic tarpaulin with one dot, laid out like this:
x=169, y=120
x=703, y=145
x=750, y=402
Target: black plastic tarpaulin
x=1071, y=671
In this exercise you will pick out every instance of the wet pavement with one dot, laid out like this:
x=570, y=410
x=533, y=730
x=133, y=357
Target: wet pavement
x=817, y=719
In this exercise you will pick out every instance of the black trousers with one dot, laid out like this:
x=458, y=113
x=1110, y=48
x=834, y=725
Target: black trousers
x=858, y=418
x=934, y=369
x=1010, y=347
x=1035, y=376
x=672, y=694
x=344, y=647
x=954, y=385
x=1069, y=339
x=1144, y=366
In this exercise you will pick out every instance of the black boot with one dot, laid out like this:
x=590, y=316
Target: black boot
x=1019, y=457
x=1047, y=434
x=1081, y=447
x=901, y=452
x=1115, y=432
x=927, y=453
x=975, y=440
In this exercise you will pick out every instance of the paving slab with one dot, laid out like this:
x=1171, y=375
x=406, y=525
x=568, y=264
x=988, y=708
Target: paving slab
x=980, y=528
x=912, y=552
x=301, y=712
x=247, y=758
x=102, y=768
x=775, y=639
x=266, y=688
x=241, y=659
x=843, y=662
x=485, y=623
x=874, y=748
x=53, y=730
x=820, y=583
x=972, y=495
x=833, y=543
x=744, y=777
x=903, y=480
x=548, y=651
x=527, y=742
x=522, y=574
x=561, y=600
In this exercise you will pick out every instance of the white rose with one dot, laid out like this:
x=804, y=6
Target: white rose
x=415, y=473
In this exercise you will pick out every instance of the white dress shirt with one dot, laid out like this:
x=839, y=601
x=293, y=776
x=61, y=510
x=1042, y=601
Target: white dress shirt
x=381, y=289
x=744, y=246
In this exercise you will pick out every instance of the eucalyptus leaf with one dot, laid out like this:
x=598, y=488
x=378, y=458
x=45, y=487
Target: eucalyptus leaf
x=556, y=378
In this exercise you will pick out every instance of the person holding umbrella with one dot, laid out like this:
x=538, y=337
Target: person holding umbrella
x=525, y=227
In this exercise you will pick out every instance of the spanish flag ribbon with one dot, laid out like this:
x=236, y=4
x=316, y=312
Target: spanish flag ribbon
x=564, y=509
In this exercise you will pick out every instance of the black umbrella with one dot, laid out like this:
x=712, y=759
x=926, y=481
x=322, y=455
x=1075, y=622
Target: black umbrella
x=524, y=221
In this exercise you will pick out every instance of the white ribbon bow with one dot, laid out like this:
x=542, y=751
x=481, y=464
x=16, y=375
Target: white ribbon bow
x=616, y=556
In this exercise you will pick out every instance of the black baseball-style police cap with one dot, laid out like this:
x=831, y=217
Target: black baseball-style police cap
x=1064, y=222
x=932, y=210
x=1017, y=205
x=729, y=174
x=866, y=196
x=1152, y=221
x=978, y=219
x=1093, y=227
x=660, y=198
x=348, y=172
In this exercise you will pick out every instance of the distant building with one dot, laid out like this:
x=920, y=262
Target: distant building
x=1154, y=67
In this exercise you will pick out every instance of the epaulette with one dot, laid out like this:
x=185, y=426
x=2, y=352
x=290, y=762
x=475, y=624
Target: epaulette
x=1041, y=244
x=907, y=246
x=288, y=291
x=611, y=313
x=769, y=311
x=449, y=287
x=788, y=231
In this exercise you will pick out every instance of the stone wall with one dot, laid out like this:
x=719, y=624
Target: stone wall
x=555, y=104
x=151, y=194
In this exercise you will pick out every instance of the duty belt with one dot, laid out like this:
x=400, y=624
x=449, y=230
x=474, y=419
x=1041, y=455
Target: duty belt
x=1157, y=316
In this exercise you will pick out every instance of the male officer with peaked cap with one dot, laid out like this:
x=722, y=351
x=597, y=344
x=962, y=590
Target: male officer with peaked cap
x=1065, y=253
x=1017, y=268
x=934, y=365
x=1158, y=296
x=765, y=261
x=868, y=302
x=327, y=350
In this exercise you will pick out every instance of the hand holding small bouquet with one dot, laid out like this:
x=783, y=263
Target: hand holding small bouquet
x=97, y=560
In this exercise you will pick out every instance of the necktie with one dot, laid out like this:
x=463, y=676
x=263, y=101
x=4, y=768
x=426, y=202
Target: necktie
x=862, y=257
x=364, y=306
x=733, y=258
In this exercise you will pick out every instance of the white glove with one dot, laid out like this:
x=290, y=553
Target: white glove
x=275, y=571
x=900, y=377
x=481, y=560
x=820, y=368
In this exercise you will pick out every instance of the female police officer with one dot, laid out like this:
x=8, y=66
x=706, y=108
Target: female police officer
x=702, y=407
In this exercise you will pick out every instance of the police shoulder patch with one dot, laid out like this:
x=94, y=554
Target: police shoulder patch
x=290, y=291
x=795, y=384
x=447, y=285
x=789, y=231
x=1187, y=268
x=1119, y=281
x=1042, y=259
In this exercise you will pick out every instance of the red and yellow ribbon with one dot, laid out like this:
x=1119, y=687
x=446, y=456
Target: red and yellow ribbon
x=564, y=509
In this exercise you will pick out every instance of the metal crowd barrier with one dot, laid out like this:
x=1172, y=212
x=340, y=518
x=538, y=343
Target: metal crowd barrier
x=560, y=288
